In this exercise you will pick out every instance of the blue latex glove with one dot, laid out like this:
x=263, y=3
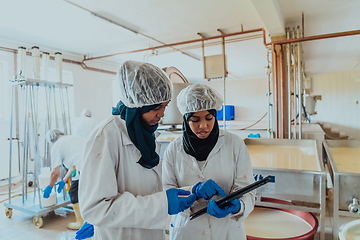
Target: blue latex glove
x=208, y=189
x=61, y=185
x=217, y=212
x=47, y=191
x=86, y=231
x=176, y=203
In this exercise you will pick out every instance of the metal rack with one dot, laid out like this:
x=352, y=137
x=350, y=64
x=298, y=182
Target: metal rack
x=305, y=189
x=346, y=184
x=31, y=146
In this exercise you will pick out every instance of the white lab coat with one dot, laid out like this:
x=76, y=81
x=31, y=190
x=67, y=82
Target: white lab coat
x=85, y=127
x=122, y=199
x=228, y=164
x=68, y=151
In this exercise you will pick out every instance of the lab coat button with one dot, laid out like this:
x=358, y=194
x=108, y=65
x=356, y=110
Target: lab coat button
x=206, y=230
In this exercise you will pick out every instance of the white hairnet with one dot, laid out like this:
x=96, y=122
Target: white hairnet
x=53, y=135
x=143, y=84
x=85, y=113
x=198, y=97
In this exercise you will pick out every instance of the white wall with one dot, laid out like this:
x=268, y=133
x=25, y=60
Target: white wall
x=338, y=108
x=248, y=96
x=92, y=90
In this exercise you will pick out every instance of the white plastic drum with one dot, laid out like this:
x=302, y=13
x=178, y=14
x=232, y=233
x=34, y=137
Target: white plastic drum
x=48, y=202
x=350, y=231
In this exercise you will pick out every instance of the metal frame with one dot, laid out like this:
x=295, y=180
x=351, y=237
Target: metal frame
x=31, y=143
x=306, y=188
x=345, y=184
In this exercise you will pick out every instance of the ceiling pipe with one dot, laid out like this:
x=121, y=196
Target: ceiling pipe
x=182, y=43
x=8, y=50
x=303, y=39
x=213, y=43
x=317, y=37
x=83, y=65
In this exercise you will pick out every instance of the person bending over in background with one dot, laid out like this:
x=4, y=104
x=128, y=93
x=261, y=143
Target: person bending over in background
x=86, y=125
x=207, y=161
x=120, y=189
x=66, y=152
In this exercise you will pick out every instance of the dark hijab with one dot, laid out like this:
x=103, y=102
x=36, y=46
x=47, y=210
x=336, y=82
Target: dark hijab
x=141, y=134
x=196, y=147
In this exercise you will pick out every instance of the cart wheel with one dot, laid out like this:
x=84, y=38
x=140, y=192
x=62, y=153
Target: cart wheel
x=30, y=183
x=8, y=212
x=38, y=222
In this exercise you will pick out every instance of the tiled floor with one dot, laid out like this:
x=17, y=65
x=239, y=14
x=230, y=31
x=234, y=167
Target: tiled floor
x=20, y=226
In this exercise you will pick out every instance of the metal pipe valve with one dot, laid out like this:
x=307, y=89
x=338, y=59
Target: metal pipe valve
x=354, y=207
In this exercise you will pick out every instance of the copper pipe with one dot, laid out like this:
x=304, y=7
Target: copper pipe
x=83, y=65
x=275, y=76
x=181, y=43
x=300, y=84
x=282, y=94
x=8, y=50
x=64, y=60
x=317, y=37
x=213, y=43
x=302, y=21
x=264, y=38
x=288, y=48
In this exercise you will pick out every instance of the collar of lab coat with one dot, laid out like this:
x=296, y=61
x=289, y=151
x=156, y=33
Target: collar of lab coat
x=127, y=141
x=193, y=162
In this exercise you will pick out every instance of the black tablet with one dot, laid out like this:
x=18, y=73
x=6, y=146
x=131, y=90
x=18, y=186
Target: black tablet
x=239, y=193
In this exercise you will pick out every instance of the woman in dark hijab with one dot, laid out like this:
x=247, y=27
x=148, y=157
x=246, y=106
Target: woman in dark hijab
x=209, y=162
x=120, y=193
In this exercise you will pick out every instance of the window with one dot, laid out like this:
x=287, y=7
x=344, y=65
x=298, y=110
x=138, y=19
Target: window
x=5, y=91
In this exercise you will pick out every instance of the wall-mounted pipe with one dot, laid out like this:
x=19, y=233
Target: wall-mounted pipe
x=224, y=76
x=293, y=35
x=288, y=51
x=269, y=129
x=300, y=85
x=275, y=90
x=282, y=93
